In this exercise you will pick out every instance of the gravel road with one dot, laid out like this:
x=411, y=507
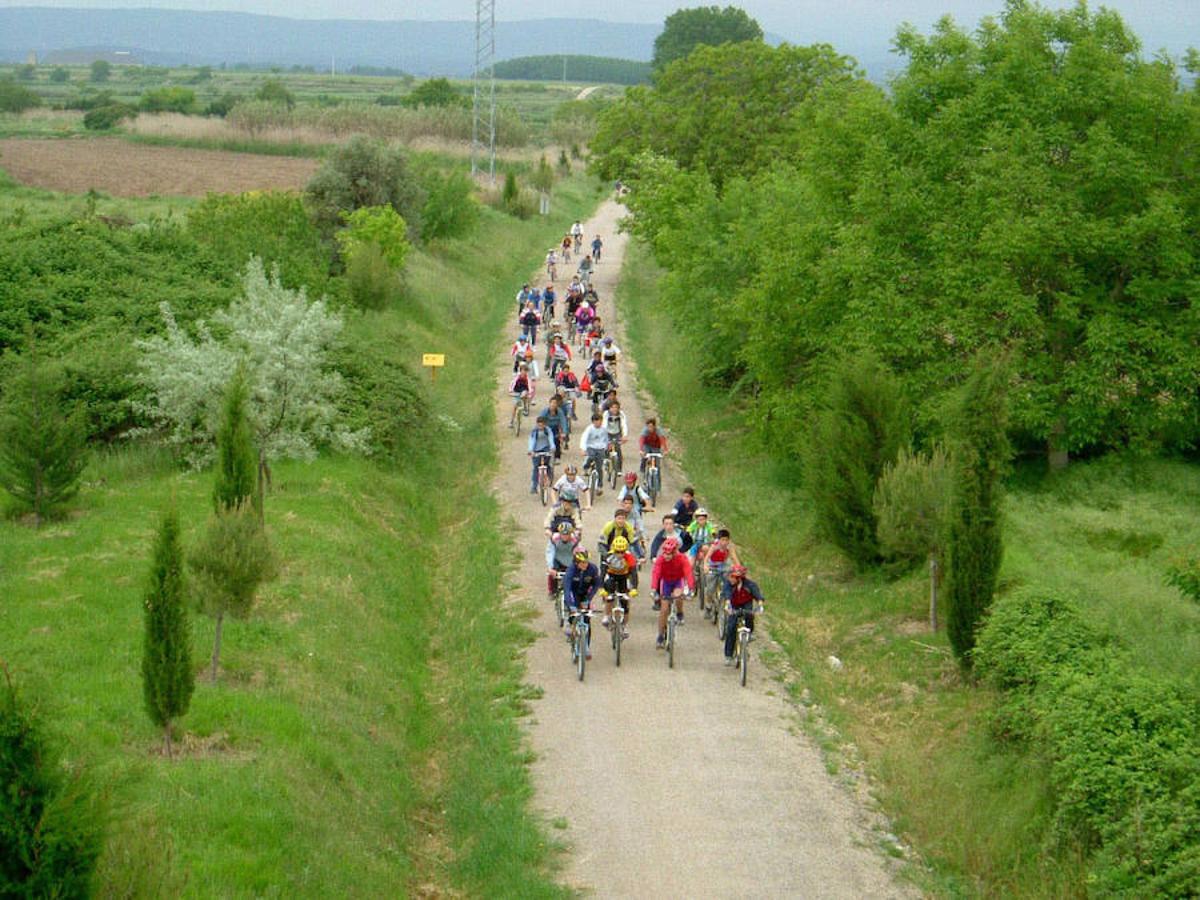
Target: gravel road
x=673, y=783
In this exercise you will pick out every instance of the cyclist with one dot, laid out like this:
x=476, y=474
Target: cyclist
x=559, y=354
x=638, y=544
x=671, y=578
x=548, y=299
x=585, y=270
x=580, y=585
x=560, y=553
x=670, y=531
x=568, y=383
x=595, y=332
x=614, y=423
x=577, y=234
x=597, y=246
x=531, y=363
x=700, y=531
x=583, y=316
x=593, y=443
x=518, y=349
x=653, y=441
x=612, y=353
x=618, y=526
x=721, y=555
x=521, y=385
x=541, y=443
x=620, y=576
x=570, y=485
x=565, y=248
x=530, y=320
x=741, y=594
x=560, y=426
x=551, y=264
x=685, y=508
x=523, y=296
x=595, y=361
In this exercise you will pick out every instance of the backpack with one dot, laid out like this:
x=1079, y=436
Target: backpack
x=558, y=520
x=616, y=564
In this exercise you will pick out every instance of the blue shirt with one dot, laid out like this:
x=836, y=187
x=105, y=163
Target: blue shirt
x=541, y=440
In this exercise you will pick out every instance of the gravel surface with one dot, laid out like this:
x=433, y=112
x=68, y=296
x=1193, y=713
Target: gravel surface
x=673, y=783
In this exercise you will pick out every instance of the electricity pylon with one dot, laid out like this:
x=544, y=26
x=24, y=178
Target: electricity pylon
x=484, y=97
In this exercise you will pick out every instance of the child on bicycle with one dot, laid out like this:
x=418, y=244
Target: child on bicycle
x=742, y=595
x=521, y=385
x=653, y=441
x=541, y=443
x=620, y=577
x=700, y=531
x=670, y=530
x=671, y=578
x=580, y=584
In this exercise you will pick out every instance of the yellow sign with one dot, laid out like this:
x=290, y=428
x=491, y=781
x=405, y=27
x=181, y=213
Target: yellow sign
x=433, y=359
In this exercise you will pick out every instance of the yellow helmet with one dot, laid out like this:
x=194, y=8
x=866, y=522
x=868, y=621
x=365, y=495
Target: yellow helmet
x=619, y=544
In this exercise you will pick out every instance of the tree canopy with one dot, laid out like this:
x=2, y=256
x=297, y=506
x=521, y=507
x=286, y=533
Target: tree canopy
x=685, y=29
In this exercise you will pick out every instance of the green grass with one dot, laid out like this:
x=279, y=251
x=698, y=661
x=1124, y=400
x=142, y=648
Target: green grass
x=1106, y=530
x=20, y=205
x=233, y=145
x=365, y=737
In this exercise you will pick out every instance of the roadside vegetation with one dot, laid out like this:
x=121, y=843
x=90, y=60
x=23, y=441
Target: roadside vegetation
x=365, y=712
x=1002, y=262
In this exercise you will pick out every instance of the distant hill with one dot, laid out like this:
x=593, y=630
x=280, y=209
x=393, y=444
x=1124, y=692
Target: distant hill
x=177, y=37
x=603, y=69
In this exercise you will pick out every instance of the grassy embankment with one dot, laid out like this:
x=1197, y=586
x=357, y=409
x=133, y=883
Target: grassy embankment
x=364, y=737
x=1106, y=530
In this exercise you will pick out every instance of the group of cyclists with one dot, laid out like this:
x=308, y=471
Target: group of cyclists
x=686, y=547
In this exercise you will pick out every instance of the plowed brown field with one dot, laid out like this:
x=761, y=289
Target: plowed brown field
x=122, y=169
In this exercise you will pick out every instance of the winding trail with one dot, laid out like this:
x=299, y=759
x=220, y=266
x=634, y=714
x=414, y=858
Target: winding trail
x=660, y=774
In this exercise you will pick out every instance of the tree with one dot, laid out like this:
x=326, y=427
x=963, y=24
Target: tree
x=27, y=72
x=231, y=561
x=15, y=98
x=60, y=75
x=51, y=829
x=365, y=172
x=275, y=91
x=437, y=92
x=101, y=71
x=283, y=340
x=167, y=676
x=236, y=458
x=685, y=29
x=858, y=431
x=977, y=432
x=42, y=448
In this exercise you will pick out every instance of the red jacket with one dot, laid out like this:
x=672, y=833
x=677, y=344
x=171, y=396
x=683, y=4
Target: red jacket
x=677, y=568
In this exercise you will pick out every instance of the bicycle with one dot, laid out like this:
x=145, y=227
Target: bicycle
x=545, y=475
x=617, y=624
x=578, y=242
x=519, y=411
x=653, y=476
x=741, y=648
x=612, y=463
x=581, y=632
x=560, y=604
x=673, y=623
x=595, y=480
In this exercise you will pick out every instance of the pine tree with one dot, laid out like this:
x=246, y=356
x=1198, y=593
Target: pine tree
x=230, y=562
x=980, y=452
x=167, y=677
x=860, y=429
x=42, y=449
x=51, y=830
x=236, y=457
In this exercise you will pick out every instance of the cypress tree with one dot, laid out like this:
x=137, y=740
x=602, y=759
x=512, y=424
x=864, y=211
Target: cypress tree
x=980, y=451
x=237, y=461
x=858, y=431
x=167, y=677
x=42, y=448
x=51, y=829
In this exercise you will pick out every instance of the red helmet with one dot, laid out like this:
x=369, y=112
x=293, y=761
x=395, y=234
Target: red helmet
x=670, y=545
x=739, y=571
x=631, y=478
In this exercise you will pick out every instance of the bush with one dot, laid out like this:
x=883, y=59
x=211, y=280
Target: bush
x=378, y=226
x=27, y=72
x=451, y=209
x=435, y=92
x=370, y=282
x=15, y=98
x=169, y=99
x=60, y=75
x=1184, y=575
x=51, y=830
x=102, y=118
x=274, y=91
x=365, y=172
x=383, y=395
x=854, y=436
x=911, y=504
x=100, y=71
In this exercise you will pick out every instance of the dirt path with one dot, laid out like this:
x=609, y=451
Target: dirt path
x=661, y=774
x=587, y=92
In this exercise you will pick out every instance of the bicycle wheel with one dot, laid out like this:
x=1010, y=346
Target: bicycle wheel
x=670, y=640
x=581, y=642
x=743, y=655
x=517, y=422
x=652, y=484
x=618, y=639
x=543, y=486
x=559, y=610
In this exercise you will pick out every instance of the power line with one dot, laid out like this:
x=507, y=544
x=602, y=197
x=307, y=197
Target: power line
x=484, y=95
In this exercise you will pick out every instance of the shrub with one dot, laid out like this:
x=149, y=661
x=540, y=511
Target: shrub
x=168, y=99
x=365, y=172
x=100, y=71
x=911, y=505
x=370, y=282
x=15, y=98
x=102, y=118
x=379, y=226
x=27, y=72
x=1184, y=575
x=435, y=92
x=384, y=396
x=979, y=444
x=51, y=830
x=167, y=677
x=221, y=106
x=237, y=460
x=510, y=192
x=451, y=209
x=860, y=429
x=60, y=75
x=275, y=91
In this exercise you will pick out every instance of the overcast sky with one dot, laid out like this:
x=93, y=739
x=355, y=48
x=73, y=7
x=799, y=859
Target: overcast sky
x=1174, y=24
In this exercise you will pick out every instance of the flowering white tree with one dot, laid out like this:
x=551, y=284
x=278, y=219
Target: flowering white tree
x=281, y=338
